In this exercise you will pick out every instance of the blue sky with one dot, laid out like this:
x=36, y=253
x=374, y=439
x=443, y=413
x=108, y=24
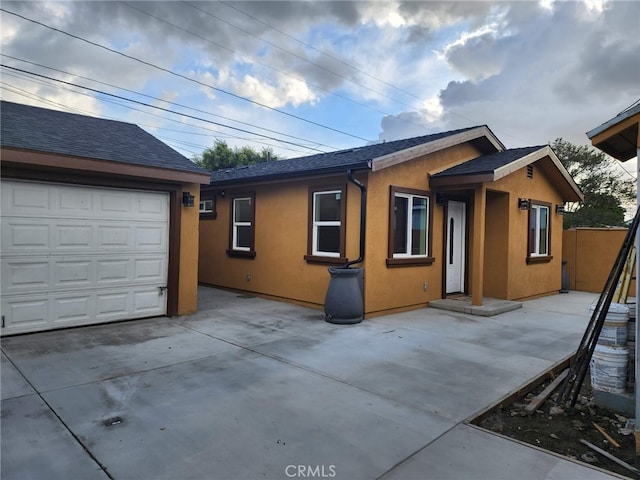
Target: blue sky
x=343, y=73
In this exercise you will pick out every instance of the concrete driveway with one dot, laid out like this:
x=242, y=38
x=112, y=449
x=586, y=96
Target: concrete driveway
x=254, y=389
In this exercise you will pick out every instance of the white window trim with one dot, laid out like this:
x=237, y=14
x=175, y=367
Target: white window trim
x=535, y=250
x=317, y=223
x=203, y=206
x=235, y=245
x=407, y=253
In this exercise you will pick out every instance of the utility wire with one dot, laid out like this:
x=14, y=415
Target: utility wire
x=307, y=60
x=355, y=68
x=270, y=67
x=169, y=102
x=27, y=94
x=157, y=107
x=311, y=47
x=185, y=77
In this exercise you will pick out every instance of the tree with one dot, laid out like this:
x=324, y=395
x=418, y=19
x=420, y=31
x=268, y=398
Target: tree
x=222, y=156
x=605, y=188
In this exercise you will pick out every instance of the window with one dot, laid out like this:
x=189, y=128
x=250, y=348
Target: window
x=539, y=233
x=327, y=209
x=409, y=226
x=207, y=204
x=241, y=237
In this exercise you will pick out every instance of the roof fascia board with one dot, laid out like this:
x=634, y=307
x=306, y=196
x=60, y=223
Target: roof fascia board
x=619, y=121
x=291, y=176
x=25, y=157
x=545, y=151
x=401, y=156
x=460, y=180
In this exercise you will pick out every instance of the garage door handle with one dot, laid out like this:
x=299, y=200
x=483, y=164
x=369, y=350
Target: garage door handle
x=162, y=290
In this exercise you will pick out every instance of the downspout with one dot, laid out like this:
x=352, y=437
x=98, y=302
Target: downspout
x=363, y=212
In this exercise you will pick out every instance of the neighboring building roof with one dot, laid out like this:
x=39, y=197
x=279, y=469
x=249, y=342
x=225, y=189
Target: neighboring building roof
x=618, y=137
x=38, y=129
x=376, y=156
x=494, y=166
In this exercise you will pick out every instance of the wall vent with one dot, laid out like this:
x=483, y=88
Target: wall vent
x=529, y=171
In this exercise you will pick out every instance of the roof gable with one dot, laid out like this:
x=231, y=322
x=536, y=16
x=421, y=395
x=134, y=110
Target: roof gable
x=493, y=167
x=38, y=129
x=375, y=157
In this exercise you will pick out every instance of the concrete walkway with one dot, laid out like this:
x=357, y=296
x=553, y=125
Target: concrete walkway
x=254, y=389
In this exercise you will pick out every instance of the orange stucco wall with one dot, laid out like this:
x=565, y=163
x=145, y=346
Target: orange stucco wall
x=590, y=254
x=401, y=287
x=188, y=276
x=496, y=270
x=281, y=226
x=281, y=229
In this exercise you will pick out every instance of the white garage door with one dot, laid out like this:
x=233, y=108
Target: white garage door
x=78, y=255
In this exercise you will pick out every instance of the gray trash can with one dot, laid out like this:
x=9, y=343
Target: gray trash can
x=343, y=303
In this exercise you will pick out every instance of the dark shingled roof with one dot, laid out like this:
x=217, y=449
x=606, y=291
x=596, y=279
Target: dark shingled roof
x=489, y=163
x=353, y=158
x=51, y=131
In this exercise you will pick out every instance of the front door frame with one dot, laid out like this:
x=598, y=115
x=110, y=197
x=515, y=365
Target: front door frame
x=445, y=247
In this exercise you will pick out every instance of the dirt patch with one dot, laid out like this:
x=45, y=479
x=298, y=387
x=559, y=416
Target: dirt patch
x=560, y=431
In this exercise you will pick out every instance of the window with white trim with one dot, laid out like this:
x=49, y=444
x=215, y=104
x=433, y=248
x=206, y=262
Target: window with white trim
x=410, y=225
x=539, y=230
x=206, y=206
x=242, y=226
x=326, y=228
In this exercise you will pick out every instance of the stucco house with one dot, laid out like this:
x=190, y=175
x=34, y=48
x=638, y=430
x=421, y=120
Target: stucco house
x=97, y=220
x=426, y=217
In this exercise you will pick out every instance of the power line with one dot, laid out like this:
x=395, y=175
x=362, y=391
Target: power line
x=311, y=47
x=169, y=102
x=270, y=67
x=307, y=60
x=217, y=133
x=185, y=77
x=157, y=107
x=227, y=4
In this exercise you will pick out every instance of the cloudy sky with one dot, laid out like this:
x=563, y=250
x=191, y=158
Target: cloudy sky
x=308, y=76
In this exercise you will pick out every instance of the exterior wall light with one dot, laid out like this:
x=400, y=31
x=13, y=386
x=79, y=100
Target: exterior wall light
x=188, y=199
x=560, y=210
x=524, y=204
x=440, y=199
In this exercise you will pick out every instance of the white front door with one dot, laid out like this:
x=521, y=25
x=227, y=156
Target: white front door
x=456, y=243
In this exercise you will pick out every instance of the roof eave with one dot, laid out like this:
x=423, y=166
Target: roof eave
x=20, y=157
x=288, y=175
x=614, y=121
x=532, y=157
x=460, y=180
x=401, y=156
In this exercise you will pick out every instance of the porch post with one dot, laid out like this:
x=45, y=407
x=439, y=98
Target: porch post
x=477, y=254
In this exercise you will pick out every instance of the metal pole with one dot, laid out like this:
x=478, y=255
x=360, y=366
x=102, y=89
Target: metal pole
x=637, y=360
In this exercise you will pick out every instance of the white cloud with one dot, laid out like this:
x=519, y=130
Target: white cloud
x=287, y=91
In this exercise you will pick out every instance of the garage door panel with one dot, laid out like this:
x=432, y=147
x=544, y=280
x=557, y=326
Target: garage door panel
x=147, y=301
x=77, y=255
x=74, y=273
x=28, y=198
x=113, y=270
x=74, y=202
x=25, y=236
x=149, y=270
x=20, y=274
x=25, y=313
x=72, y=236
x=77, y=309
